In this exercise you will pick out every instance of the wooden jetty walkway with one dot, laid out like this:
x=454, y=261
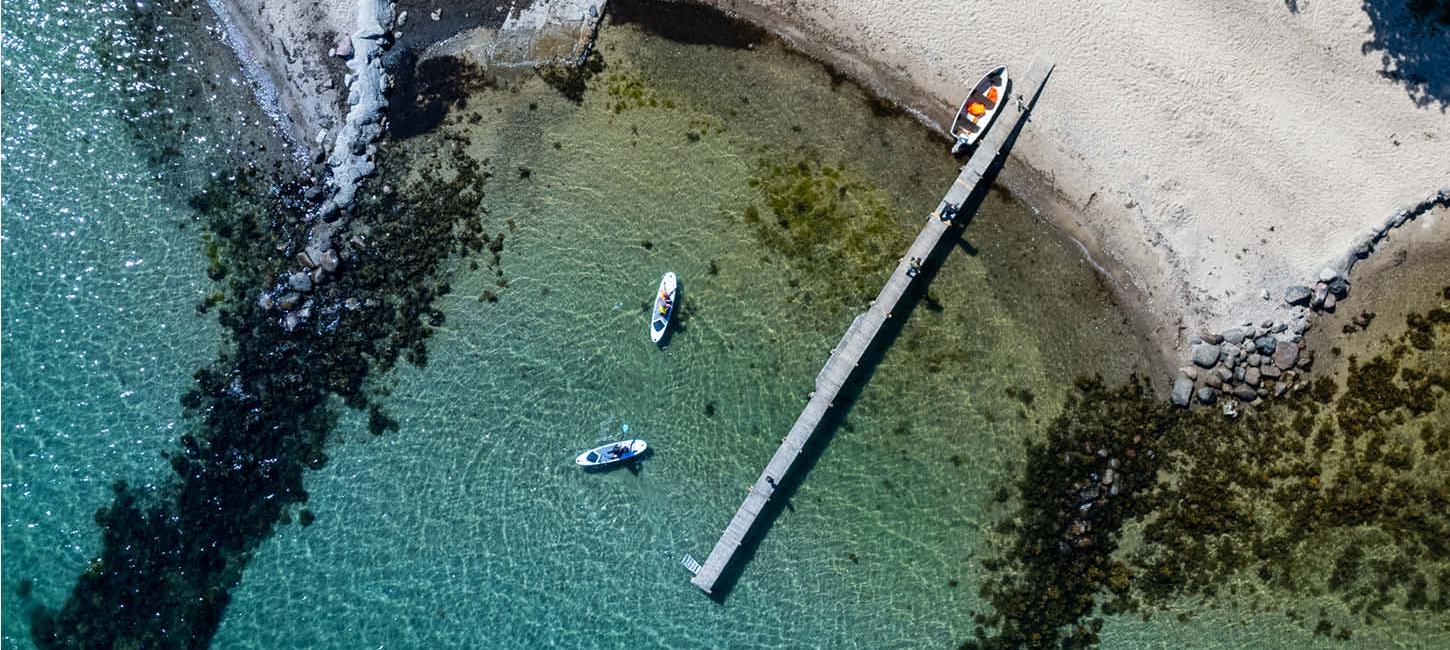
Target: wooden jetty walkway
x=862, y=332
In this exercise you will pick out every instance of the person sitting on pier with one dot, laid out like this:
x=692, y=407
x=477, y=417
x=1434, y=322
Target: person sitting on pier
x=913, y=267
x=949, y=212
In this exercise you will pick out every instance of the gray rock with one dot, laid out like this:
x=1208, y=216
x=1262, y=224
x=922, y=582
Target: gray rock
x=343, y=48
x=290, y=322
x=1298, y=295
x=1205, y=355
x=1272, y=372
x=1207, y=395
x=1233, y=335
x=1182, y=391
x=329, y=260
x=1224, y=374
x=1239, y=373
x=351, y=303
x=1321, y=291
x=1265, y=344
x=1211, y=338
x=1280, y=328
x=1264, y=294
x=1329, y=302
x=1109, y=475
x=1229, y=410
x=1212, y=380
x=1252, y=376
x=1266, y=324
x=1245, y=393
x=1189, y=372
x=1338, y=287
x=265, y=302
x=1306, y=360
x=1286, y=354
x=289, y=301
x=299, y=281
x=1254, y=359
x=1280, y=389
x=305, y=259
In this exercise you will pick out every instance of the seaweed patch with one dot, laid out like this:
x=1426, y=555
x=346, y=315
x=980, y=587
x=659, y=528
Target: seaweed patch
x=260, y=415
x=1339, y=491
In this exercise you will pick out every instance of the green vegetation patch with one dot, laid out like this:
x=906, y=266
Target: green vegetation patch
x=1342, y=491
x=826, y=222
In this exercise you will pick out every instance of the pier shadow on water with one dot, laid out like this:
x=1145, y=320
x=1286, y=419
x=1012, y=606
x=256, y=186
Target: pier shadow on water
x=915, y=295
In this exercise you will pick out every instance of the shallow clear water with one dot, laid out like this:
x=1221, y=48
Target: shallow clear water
x=469, y=527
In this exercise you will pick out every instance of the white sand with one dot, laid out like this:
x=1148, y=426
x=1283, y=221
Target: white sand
x=1170, y=139
x=1176, y=134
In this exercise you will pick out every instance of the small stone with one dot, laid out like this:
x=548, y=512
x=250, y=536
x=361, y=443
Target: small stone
x=1280, y=328
x=351, y=304
x=1264, y=294
x=308, y=258
x=1265, y=344
x=436, y=14
x=1239, y=373
x=329, y=260
x=1321, y=291
x=1182, y=391
x=290, y=322
x=1306, y=360
x=289, y=301
x=299, y=281
x=1229, y=410
x=1329, y=301
x=402, y=18
x=1212, y=380
x=1233, y=335
x=1328, y=274
x=1225, y=374
x=1271, y=372
x=1280, y=389
x=1189, y=372
x=1212, y=339
x=265, y=302
x=1245, y=393
x=1298, y=294
x=1266, y=324
x=1207, y=395
x=1109, y=475
x=1338, y=287
x=1254, y=359
x=1252, y=376
x=1205, y=355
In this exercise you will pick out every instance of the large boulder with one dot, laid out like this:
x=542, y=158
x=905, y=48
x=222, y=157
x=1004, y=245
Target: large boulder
x=1298, y=295
x=1286, y=354
x=1205, y=355
x=1182, y=391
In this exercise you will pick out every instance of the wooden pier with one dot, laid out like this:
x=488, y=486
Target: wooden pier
x=862, y=332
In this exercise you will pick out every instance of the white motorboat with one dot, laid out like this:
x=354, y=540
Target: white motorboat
x=978, y=109
x=664, y=307
x=612, y=453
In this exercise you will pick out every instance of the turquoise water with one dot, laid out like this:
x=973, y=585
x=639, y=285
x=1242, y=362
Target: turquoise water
x=469, y=526
x=102, y=274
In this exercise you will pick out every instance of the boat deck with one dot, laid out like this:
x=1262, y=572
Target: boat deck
x=862, y=333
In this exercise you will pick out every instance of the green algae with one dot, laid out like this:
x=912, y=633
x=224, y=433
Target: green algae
x=1339, y=491
x=823, y=219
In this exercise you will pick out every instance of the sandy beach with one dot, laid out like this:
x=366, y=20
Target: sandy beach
x=1201, y=155
x=1205, y=153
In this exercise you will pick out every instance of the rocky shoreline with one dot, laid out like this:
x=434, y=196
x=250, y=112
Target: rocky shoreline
x=1252, y=362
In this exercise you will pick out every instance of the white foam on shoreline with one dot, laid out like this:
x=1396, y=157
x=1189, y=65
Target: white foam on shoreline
x=265, y=92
